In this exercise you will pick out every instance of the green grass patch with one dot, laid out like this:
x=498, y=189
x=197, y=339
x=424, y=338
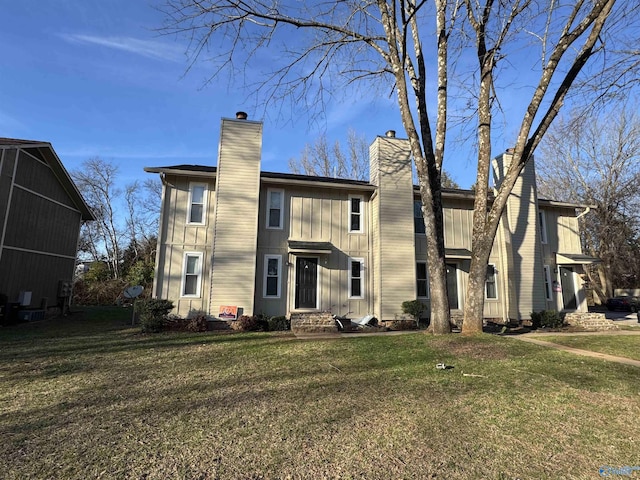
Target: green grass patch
x=619, y=345
x=88, y=396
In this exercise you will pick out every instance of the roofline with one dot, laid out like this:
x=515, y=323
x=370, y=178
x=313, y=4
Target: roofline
x=326, y=182
x=59, y=171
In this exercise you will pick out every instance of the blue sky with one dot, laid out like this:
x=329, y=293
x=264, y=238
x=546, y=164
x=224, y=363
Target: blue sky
x=95, y=78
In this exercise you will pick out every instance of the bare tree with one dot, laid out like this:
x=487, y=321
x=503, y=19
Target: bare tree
x=96, y=180
x=382, y=43
x=319, y=159
x=131, y=222
x=596, y=161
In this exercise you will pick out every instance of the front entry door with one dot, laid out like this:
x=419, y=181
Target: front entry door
x=452, y=285
x=306, y=282
x=568, y=288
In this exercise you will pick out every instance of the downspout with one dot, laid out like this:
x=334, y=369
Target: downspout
x=586, y=210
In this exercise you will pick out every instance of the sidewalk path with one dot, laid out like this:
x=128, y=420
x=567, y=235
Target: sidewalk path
x=577, y=351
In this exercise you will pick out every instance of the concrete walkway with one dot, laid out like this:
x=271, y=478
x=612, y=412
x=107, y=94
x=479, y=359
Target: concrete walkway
x=535, y=338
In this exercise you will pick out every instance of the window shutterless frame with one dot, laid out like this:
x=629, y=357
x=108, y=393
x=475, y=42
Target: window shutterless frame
x=547, y=283
x=197, y=208
x=272, y=276
x=422, y=280
x=192, y=275
x=542, y=220
x=275, y=208
x=418, y=219
x=356, y=278
x=356, y=202
x=491, y=284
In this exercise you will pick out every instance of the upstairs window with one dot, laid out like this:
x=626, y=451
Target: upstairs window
x=192, y=275
x=542, y=220
x=418, y=219
x=490, y=288
x=356, y=277
x=422, y=280
x=197, y=203
x=272, y=275
x=355, y=214
x=275, y=201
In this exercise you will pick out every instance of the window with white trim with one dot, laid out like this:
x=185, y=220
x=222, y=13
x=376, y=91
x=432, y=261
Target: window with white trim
x=542, y=220
x=490, y=284
x=418, y=218
x=422, y=280
x=356, y=278
x=355, y=214
x=197, y=203
x=547, y=283
x=192, y=274
x=272, y=275
x=275, y=210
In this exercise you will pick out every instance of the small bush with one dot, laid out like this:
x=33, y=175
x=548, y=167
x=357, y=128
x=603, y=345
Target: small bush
x=246, y=323
x=414, y=308
x=153, y=313
x=546, y=319
x=279, y=323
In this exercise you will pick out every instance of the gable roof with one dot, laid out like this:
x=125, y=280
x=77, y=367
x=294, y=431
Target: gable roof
x=45, y=152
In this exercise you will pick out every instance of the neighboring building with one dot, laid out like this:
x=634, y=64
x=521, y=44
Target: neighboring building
x=277, y=244
x=41, y=212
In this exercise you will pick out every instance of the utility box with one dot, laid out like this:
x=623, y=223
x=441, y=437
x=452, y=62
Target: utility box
x=24, y=299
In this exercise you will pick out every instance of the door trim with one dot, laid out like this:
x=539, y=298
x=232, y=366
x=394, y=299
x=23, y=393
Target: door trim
x=295, y=287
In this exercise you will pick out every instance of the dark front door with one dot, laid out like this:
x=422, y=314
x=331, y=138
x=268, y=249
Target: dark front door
x=452, y=285
x=306, y=282
x=568, y=289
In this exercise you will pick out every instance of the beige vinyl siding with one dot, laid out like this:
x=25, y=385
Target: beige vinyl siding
x=177, y=237
x=236, y=216
x=397, y=272
x=526, y=265
x=458, y=223
x=322, y=215
x=374, y=267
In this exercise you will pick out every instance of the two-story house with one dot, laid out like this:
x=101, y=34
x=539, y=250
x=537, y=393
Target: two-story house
x=276, y=243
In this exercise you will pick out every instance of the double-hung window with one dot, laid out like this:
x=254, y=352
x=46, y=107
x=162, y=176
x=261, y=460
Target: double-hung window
x=418, y=219
x=490, y=287
x=355, y=214
x=275, y=210
x=192, y=274
x=197, y=203
x=272, y=275
x=542, y=219
x=422, y=280
x=356, y=278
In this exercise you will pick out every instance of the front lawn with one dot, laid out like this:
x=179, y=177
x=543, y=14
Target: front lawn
x=619, y=345
x=90, y=397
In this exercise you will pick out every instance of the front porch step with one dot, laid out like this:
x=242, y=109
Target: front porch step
x=313, y=322
x=590, y=321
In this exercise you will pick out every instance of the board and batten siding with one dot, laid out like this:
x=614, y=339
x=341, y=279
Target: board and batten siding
x=236, y=216
x=316, y=214
x=178, y=237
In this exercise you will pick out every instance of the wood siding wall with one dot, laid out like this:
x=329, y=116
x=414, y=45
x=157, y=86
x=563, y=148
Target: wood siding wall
x=396, y=259
x=39, y=227
x=233, y=271
x=522, y=234
x=179, y=237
